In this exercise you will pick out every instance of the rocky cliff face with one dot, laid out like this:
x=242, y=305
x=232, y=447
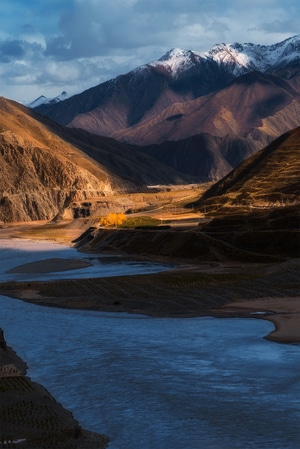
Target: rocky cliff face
x=37, y=184
x=40, y=173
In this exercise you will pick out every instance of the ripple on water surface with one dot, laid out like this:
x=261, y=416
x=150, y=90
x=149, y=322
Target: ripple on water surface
x=163, y=383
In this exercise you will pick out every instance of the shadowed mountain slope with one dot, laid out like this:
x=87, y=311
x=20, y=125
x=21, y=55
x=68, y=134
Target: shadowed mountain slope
x=126, y=161
x=209, y=136
x=269, y=177
x=203, y=156
x=237, y=121
x=255, y=106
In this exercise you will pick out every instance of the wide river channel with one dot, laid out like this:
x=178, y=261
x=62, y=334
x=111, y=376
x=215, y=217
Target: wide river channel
x=150, y=383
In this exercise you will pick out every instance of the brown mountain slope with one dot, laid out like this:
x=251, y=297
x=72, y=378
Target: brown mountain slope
x=269, y=177
x=46, y=167
x=124, y=101
x=254, y=101
x=125, y=161
x=241, y=116
x=40, y=173
x=237, y=121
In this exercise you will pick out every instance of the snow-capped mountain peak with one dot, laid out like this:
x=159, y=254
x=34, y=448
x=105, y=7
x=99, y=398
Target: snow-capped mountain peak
x=236, y=58
x=44, y=100
x=175, y=60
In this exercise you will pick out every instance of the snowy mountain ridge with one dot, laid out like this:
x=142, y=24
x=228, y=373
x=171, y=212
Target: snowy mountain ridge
x=44, y=100
x=235, y=58
x=232, y=59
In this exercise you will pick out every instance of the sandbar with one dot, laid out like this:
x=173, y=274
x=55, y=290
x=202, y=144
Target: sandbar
x=222, y=289
x=284, y=313
x=52, y=265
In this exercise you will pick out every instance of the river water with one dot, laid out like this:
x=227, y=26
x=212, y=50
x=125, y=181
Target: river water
x=153, y=383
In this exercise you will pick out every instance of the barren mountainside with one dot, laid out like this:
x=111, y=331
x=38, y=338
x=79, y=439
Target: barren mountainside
x=139, y=107
x=41, y=174
x=264, y=103
x=226, y=127
x=271, y=177
x=46, y=168
x=241, y=95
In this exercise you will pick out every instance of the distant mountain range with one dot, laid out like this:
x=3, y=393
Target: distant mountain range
x=231, y=100
x=178, y=76
x=189, y=117
x=42, y=100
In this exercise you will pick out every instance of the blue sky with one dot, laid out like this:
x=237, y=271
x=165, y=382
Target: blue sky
x=47, y=46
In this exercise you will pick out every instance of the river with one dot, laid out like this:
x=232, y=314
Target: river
x=160, y=383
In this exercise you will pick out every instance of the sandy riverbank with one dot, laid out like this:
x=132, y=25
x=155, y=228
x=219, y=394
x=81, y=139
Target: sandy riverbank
x=223, y=289
x=284, y=313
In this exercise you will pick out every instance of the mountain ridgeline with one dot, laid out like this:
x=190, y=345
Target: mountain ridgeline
x=232, y=100
x=188, y=117
x=177, y=77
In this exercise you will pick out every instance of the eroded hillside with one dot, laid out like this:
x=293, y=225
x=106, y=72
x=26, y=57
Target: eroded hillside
x=46, y=168
x=269, y=178
x=40, y=173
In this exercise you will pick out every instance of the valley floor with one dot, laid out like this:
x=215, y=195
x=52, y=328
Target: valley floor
x=196, y=287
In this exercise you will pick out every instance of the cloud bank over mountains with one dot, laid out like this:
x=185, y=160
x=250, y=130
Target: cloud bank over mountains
x=55, y=45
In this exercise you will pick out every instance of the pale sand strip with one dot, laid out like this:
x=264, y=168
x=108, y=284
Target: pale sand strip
x=283, y=312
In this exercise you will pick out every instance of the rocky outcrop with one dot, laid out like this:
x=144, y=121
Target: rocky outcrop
x=40, y=173
x=9, y=357
x=37, y=184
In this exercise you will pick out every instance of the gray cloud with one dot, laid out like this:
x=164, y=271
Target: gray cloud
x=280, y=26
x=99, y=28
x=11, y=49
x=75, y=44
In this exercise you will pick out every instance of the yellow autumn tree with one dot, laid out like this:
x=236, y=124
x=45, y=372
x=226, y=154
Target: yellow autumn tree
x=112, y=219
